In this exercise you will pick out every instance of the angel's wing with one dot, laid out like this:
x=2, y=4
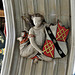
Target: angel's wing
x=28, y=21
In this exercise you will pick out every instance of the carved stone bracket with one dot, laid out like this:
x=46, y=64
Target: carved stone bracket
x=10, y=39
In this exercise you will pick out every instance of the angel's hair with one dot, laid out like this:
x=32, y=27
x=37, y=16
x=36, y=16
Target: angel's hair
x=39, y=15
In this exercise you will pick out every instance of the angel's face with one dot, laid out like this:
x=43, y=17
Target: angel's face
x=37, y=21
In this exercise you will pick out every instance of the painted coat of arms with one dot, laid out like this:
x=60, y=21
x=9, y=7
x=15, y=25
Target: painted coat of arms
x=55, y=45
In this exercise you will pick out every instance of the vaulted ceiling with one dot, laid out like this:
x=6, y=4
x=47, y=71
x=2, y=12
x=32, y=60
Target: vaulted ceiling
x=1, y=5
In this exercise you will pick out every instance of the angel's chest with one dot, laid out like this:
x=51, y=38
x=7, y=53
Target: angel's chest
x=39, y=33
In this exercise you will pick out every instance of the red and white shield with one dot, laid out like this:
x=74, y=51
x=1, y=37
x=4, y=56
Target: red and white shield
x=60, y=34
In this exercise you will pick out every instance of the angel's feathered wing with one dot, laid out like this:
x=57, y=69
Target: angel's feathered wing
x=28, y=21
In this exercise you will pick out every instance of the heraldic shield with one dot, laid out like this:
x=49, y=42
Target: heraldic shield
x=55, y=44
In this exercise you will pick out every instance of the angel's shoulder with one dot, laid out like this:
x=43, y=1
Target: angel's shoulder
x=31, y=30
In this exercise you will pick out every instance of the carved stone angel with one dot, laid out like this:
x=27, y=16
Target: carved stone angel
x=40, y=42
x=37, y=38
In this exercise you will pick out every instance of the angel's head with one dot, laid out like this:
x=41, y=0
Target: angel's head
x=37, y=19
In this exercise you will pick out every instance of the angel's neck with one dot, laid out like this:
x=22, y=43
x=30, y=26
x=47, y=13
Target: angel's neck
x=39, y=27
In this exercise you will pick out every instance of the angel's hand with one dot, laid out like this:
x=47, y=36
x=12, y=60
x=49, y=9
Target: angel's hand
x=41, y=52
x=52, y=24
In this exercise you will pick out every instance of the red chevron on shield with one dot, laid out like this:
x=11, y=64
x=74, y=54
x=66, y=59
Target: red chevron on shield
x=48, y=48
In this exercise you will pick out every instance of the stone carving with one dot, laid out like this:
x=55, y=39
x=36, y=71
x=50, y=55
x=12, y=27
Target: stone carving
x=40, y=42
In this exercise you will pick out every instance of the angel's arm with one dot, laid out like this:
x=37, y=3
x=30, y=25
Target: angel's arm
x=32, y=41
